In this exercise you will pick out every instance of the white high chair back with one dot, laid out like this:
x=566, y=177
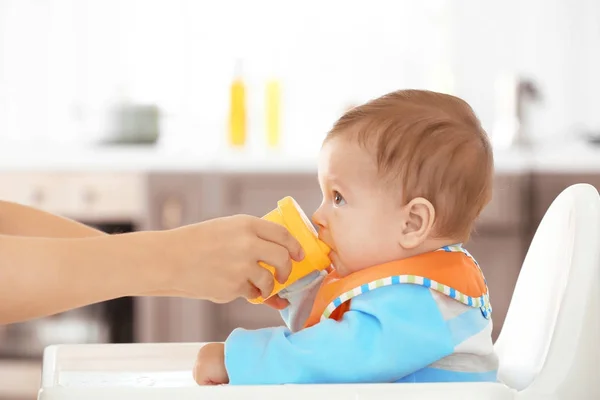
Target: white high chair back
x=550, y=341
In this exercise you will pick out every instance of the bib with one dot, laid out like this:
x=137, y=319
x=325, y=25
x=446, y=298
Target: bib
x=450, y=270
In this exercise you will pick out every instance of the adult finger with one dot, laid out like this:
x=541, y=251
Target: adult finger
x=275, y=256
x=262, y=279
x=278, y=234
x=249, y=291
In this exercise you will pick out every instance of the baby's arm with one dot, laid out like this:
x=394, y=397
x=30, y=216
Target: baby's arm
x=387, y=334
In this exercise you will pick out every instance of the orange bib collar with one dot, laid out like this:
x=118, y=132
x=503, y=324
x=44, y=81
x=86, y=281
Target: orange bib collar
x=450, y=270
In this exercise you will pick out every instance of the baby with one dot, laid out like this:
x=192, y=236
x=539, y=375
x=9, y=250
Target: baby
x=403, y=178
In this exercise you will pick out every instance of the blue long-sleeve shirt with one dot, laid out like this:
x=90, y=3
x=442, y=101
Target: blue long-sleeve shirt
x=398, y=333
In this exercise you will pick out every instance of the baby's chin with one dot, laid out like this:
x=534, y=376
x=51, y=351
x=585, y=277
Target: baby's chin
x=344, y=269
x=338, y=265
x=335, y=261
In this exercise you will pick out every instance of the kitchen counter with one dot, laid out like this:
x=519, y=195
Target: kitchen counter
x=573, y=158
x=150, y=159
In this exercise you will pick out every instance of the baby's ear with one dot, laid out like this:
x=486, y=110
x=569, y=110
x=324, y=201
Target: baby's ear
x=418, y=218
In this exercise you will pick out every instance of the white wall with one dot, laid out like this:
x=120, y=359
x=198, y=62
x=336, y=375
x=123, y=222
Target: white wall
x=61, y=60
x=554, y=42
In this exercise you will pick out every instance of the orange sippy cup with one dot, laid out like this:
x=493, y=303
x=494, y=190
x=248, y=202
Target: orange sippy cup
x=316, y=253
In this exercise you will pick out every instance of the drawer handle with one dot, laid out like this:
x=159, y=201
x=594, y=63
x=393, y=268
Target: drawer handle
x=37, y=196
x=89, y=196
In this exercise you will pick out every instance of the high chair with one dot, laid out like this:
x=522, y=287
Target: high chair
x=549, y=347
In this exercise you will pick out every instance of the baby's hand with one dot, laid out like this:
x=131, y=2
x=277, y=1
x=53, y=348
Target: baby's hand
x=210, y=365
x=277, y=302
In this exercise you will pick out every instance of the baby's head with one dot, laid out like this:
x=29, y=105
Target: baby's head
x=401, y=175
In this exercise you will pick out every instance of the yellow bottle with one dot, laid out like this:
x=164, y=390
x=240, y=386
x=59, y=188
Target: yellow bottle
x=289, y=214
x=237, y=109
x=273, y=112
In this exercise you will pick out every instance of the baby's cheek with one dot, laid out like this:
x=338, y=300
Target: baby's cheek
x=356, y=258
x=360, y=246
x=371, y=253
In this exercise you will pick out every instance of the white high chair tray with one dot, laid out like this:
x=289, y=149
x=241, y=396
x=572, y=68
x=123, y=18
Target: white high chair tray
x=164, y=371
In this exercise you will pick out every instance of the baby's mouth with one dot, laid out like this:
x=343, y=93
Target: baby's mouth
x=322, y=239
x=332, y=252
x=333, y=258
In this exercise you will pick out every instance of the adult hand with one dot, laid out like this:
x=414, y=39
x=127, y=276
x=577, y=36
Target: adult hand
x=218, y=259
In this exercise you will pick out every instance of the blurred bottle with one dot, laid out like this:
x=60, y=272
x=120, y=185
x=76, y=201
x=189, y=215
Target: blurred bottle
x=237, y=108
x=273, y=112
x=514, y=97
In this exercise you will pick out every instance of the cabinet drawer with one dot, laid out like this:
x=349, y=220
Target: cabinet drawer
x=258, y=194
x=508, y=208
x=86, y=196
x=548, y=186
x=45, y=191
x=177, y=199
x=105, y=197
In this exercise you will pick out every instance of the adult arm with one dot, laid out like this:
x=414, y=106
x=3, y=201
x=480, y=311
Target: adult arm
x=50, y=264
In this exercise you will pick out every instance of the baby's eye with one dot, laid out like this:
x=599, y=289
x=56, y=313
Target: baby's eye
x=338, y=199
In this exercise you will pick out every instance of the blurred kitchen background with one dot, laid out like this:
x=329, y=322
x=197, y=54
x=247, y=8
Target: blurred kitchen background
x=131, y=115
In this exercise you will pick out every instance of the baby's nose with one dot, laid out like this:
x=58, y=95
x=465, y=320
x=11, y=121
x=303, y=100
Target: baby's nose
x=318, y=219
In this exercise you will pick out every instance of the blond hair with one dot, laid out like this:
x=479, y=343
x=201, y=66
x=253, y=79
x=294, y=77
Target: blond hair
x=433, y=146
